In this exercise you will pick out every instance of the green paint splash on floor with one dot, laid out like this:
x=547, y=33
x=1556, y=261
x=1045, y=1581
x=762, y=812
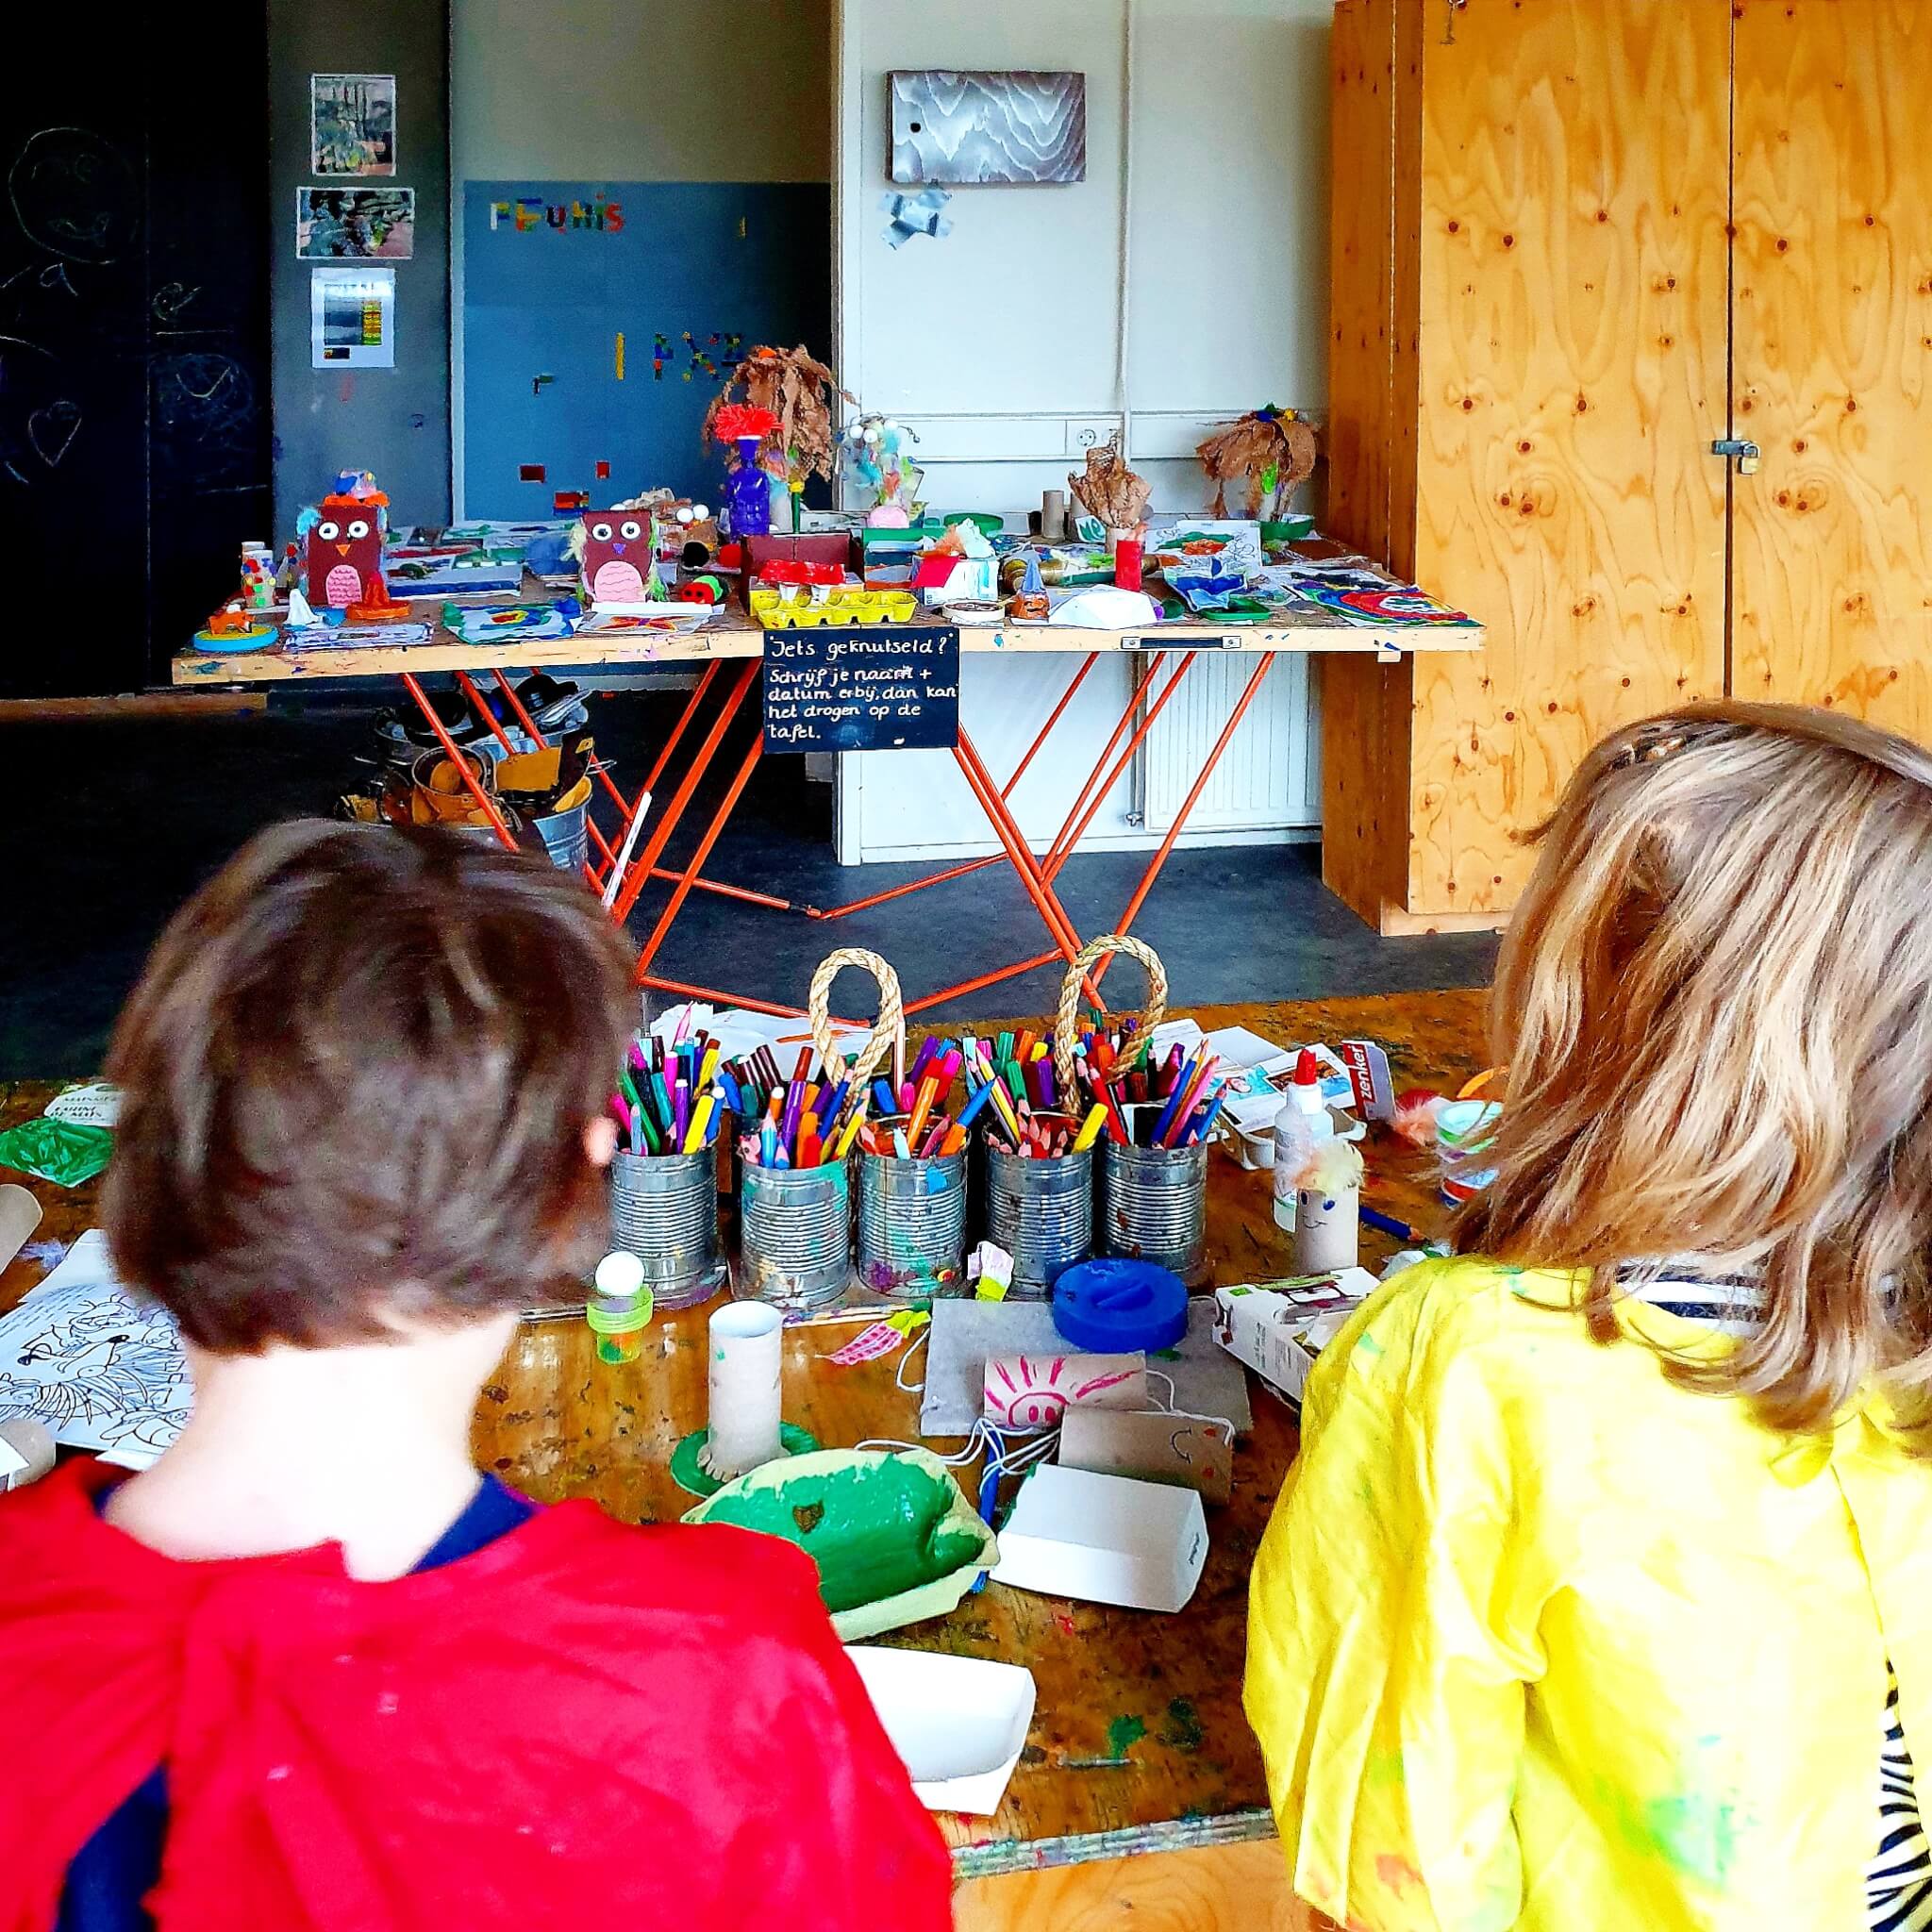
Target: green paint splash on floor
x=1182, y=1730
x=1123, y=1734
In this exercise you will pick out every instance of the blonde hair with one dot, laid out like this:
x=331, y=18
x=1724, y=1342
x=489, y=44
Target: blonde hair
x=1715, y=1002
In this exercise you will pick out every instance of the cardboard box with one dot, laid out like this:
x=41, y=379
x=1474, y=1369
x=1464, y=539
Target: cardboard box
x=1152, y=1446
x=958, y=1723
x=1105, y=1540
x=1268, y=1326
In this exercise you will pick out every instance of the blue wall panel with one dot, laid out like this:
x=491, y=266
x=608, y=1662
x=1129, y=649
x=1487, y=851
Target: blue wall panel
x=692, y=265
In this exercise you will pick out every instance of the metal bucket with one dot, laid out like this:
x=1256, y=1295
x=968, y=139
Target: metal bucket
x=1154, y=1206
x=566, y=835
x=1041, y=1212
x=911, y=1223
x=794, y=1235
x=664, y=1211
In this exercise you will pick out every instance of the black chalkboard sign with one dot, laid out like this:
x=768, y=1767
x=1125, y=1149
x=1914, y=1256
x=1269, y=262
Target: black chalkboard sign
x=862, y=688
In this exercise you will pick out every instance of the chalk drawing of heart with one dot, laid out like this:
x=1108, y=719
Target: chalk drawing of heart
x=51, y=428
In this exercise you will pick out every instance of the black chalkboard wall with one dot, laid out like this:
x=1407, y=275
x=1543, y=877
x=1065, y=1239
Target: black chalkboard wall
x=134, y=336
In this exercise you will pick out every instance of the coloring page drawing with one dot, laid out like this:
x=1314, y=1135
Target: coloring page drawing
x=101, y=1368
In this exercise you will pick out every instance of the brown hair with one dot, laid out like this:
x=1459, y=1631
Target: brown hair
x=1715, y=1002
x=357, y=1073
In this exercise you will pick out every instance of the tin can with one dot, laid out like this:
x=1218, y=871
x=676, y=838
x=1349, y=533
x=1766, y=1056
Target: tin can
x=911, y=1223
x=664, y=1211
x=794, y=1235
x=1040, y=1212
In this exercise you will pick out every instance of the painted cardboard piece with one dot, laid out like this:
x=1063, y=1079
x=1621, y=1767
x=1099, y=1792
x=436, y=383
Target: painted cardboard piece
x=619, y=551
x=344, y=556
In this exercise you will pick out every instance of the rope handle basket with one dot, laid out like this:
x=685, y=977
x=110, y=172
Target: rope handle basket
x=1066, y=1022
x=888, y=1027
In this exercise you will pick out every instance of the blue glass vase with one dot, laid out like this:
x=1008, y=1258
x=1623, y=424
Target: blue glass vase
x=747, y=495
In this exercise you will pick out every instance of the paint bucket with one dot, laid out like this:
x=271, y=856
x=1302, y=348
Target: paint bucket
x=1040, y=1212
x=664, y=1211
x=911, y=1223
x=566, y=835
x=794, y=1235
x=1154, y=1205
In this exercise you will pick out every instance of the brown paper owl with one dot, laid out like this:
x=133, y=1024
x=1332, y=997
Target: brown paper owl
x=344, y=553
x=617, y=554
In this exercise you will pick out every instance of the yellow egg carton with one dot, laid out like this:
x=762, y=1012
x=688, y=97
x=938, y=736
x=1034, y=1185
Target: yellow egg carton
x=804, y=606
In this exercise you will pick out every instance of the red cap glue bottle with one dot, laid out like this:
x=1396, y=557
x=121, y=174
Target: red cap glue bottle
x=1303, y=1121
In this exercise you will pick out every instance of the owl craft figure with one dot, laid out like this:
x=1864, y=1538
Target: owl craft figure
x=344, y=535
x=618, y=555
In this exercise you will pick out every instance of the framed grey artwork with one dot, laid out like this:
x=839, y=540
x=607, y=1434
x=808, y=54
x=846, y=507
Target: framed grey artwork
x=949, y=125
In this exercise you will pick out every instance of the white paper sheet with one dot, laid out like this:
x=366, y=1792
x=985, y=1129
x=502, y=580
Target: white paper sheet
x=102, y=1369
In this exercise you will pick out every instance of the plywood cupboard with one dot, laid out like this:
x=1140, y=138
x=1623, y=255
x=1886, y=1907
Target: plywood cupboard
x=1575, y=242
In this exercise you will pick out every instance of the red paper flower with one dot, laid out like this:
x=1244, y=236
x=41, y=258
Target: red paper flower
x=736, y=420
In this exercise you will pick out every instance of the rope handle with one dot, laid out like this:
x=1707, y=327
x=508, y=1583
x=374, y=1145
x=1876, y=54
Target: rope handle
x=1066, y=1023
x=887, y=1028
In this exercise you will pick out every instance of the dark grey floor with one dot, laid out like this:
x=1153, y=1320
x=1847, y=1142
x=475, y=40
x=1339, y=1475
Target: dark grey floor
x=115, y=821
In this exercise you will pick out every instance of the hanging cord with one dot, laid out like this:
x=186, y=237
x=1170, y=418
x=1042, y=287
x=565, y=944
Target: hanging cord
x=1188, y=1415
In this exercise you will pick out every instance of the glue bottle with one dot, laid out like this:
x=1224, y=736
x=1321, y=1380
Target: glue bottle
x=1303, y=1121
x=619, y=1310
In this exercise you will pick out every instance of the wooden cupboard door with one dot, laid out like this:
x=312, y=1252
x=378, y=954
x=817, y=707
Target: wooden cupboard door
x=1571, y=352
x=1832, y=557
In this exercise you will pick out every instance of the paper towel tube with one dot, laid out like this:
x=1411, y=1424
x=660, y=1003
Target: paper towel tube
x=747, y=1359
x=1325, y=1225
x=1034, y=1392
x=32, y=1445
x=1052, y=516
x=20, y=1214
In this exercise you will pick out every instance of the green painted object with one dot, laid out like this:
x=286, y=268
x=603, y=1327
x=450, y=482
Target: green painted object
x=893, y=1537
x=57, y=1151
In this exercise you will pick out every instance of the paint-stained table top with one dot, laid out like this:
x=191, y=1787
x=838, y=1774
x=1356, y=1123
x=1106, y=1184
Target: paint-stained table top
x=1137, y=1740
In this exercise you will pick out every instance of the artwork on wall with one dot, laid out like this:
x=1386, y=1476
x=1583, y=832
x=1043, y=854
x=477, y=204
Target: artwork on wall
x=949, y=125
x=355, y=223
x=352, y=318
x=352, y=123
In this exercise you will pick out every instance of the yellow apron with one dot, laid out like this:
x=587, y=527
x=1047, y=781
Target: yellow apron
x=1540, y=1640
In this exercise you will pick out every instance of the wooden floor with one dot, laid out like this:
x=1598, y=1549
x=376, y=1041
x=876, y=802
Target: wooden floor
x=1139, y=1745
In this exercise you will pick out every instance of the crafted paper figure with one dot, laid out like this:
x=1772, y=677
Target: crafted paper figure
x=618, y=555
x=344, y=551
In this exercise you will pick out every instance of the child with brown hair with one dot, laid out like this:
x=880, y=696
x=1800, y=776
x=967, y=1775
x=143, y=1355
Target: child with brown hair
x=1601, y=1594
x=310, y=1669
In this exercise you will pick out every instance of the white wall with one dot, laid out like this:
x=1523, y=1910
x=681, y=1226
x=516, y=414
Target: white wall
x=1014, y=315
x=1000, y=343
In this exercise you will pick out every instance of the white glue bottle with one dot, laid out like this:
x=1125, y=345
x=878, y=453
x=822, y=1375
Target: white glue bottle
x=1303, y=1121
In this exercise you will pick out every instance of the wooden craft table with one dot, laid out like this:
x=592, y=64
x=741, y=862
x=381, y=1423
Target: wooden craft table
x=729, y=649
x=1140, y=1786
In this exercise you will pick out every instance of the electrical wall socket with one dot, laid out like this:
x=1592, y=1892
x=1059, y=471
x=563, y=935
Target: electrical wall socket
x=1089, y=432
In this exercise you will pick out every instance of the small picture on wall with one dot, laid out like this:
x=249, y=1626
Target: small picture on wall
x=355, y=223
x=352, y=123
x=949, y=125
x=352, y=318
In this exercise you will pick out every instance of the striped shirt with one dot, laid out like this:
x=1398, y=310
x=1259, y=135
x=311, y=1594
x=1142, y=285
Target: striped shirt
x=1898, y=1881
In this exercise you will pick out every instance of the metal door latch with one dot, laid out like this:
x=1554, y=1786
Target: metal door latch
x=1747, y=454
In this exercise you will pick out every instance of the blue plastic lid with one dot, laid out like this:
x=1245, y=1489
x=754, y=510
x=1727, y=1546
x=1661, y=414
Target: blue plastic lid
x=1121, y=1307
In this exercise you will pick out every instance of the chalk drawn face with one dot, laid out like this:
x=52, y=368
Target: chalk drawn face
x=344, y=556
x=617, y=553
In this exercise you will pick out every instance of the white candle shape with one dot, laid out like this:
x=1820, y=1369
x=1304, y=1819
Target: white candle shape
x=747, y=1356
x=1325, y=1225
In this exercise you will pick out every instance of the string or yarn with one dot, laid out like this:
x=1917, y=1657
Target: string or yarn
x=1066, y=1023
x=885, y=1029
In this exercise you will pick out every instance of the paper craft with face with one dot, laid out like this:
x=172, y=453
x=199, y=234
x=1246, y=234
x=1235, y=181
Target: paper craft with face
x=1035, y=1391
x=345, y=554
x=617, y=554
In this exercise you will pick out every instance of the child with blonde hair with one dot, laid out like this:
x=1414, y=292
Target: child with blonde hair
x=1601, y=1594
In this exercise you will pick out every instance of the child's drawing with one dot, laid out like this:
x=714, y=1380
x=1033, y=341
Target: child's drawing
x=101, y=1369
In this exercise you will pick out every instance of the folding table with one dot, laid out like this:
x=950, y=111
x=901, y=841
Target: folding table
x=728, y=651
